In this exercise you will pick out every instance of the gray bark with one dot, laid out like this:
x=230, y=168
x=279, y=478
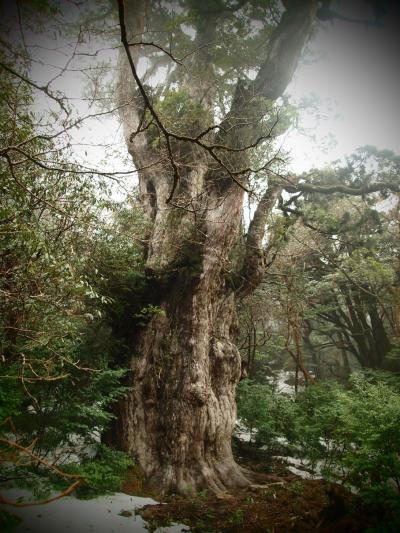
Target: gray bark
x=178, y=417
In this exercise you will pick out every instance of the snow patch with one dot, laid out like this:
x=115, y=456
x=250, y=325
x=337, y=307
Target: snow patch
x=302, y=467
x=98, y=515
x=242, y=433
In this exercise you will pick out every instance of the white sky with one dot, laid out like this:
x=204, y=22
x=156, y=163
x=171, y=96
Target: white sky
x=357, y=82
x=355, y=79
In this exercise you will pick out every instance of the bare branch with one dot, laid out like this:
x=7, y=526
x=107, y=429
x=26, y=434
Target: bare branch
x=79, y=480
x=158, y=47
x=66, y=492
x=44, y=88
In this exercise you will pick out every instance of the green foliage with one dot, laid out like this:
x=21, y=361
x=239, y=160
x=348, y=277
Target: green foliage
x=370, y=415
x=297, y=487
x=11, y=398
x=69, y=414
x=180, y=113
x=8, y=521
x=103, y=474
x=60, y=269
x=317, y=421
x=147, y=312
x=359, y=430
x=353, y=433
x=265, y=413
x=237, y=517
x=116, y=271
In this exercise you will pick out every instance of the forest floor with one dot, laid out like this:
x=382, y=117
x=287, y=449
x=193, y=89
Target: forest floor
x=279, y=502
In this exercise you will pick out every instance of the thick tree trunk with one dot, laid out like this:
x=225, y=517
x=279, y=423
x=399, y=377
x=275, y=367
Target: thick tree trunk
x=179, y=414
x=179, y=417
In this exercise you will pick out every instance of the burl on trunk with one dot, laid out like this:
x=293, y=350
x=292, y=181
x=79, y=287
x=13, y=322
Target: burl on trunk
x=178, y=417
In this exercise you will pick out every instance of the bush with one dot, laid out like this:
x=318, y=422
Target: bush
x=354, y=432
x=317, y=422
x=268, y=415
x=103, y=474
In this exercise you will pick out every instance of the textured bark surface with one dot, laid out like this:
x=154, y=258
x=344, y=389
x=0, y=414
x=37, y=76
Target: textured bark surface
x=178, y=417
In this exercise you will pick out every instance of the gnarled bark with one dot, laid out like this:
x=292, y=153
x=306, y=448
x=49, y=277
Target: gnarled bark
x=178, y=417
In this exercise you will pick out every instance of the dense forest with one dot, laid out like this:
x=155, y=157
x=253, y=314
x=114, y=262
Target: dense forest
x=184, y=315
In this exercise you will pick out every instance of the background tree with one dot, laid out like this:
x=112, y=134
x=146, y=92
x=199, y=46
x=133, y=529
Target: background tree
x=340, y=255
x=352, y=264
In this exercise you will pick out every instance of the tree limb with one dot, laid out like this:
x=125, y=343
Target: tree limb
x=344, y=189
x=285, y=47
x=26, y=450
x=253, y=267
x=44, y=88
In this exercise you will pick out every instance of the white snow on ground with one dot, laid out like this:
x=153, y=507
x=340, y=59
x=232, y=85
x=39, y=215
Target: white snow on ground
x=302, y=467
x=241, y=432
x=99, y=515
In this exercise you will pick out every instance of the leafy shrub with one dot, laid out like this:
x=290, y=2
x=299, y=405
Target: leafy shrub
x=8, y=521
x=103, y=474
x=267, y=414
x=354, y=432
x=317, y=422
x=60, y=269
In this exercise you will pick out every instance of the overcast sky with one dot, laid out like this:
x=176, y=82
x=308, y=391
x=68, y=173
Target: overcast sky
x=354, y=74
x=358, y=83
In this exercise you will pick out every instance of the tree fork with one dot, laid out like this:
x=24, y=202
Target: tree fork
x=179, y=414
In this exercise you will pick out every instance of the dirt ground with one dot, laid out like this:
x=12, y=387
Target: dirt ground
x=277, y=502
